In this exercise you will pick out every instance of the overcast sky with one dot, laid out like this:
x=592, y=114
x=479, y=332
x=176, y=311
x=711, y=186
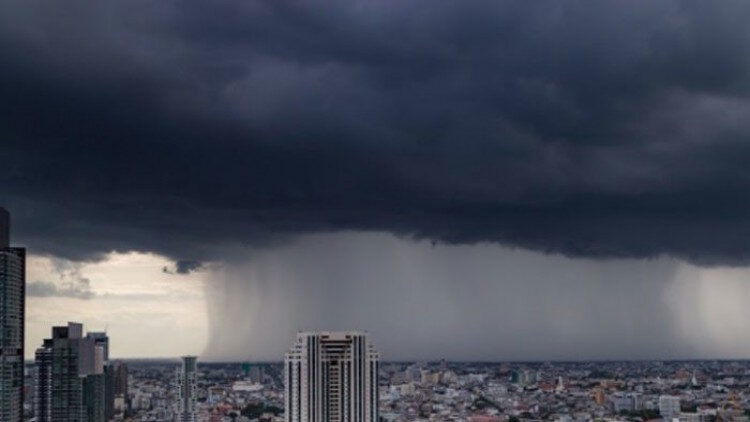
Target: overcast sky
x=538, y=179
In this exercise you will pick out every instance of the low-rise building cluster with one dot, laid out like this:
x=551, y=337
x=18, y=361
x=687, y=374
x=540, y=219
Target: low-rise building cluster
x=691, y=391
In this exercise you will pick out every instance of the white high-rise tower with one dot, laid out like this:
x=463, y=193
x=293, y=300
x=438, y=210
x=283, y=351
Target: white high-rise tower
x=187, y=407
x=331, y=377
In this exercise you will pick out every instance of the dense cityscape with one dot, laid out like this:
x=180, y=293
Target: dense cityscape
x=690, y=391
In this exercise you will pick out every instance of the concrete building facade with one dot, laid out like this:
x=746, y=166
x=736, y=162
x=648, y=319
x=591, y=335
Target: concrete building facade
x=331, y=377
x=187, y=406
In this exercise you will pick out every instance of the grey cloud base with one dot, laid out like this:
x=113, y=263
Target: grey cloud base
x=483, y=302
x=587, y=129
x=49, y=289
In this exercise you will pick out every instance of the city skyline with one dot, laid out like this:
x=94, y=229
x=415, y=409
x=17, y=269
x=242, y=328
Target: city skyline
x=541, y=180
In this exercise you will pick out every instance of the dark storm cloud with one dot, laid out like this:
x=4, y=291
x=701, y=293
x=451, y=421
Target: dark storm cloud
x=183, y=267
x=583, y=128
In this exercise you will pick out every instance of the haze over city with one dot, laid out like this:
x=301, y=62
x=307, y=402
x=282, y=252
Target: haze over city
x=473, y=180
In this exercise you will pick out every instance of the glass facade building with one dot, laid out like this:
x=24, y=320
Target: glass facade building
x=12, y=310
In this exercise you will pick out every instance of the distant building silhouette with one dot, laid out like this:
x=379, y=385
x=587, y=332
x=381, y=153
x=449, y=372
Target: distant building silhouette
x=13, y=299
x=122, y=400
x=115, y=388
x=331, y=377
x=100, y=339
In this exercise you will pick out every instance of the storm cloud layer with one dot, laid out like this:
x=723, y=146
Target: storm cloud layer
x=590, y=129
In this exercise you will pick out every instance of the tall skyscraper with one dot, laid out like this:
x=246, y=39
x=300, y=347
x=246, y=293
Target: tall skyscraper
x=100, y=339
x=121, y=379
x=187, y=407
x=331, y=377
x=93, y=398
x=70, y=379
x=109, y=391
x=115, y=388
x=12, y=308
x=4, y=227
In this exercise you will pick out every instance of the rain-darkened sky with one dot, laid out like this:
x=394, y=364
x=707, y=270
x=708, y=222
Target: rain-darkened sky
x=272, y=152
